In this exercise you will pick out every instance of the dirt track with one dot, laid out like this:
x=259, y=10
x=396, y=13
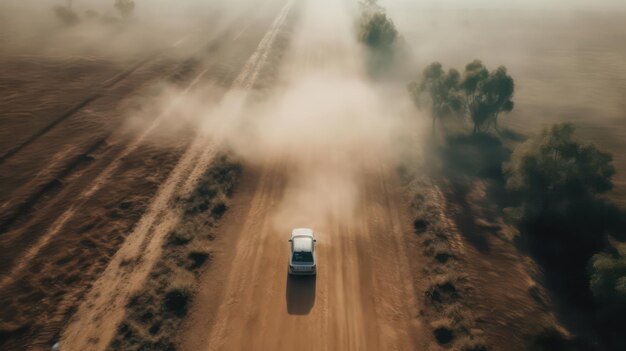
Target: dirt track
x=362, y=298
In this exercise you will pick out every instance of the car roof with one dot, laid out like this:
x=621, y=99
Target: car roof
x=302, y=243
x=302, y=232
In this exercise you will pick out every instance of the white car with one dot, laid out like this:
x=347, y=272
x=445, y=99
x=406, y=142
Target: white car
x=302, y=258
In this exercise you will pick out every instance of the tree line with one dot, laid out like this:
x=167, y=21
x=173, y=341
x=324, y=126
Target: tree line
x=68, y=15
x=478, y=94
x=559, y=183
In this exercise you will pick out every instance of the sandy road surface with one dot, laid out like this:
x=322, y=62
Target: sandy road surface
x=363, y=295
x=361, y=299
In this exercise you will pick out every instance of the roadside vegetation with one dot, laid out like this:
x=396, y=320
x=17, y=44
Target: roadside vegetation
x=478, y=95
x=445, y=309
x=549, y=185
x=68, y=16
x=379, y=35
x=155, y=313
x=569, y=227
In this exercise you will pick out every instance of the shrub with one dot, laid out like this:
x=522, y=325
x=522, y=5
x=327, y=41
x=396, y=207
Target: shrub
x=608, y=278
x=557, y=179
x=553, y=170
x=377, y=31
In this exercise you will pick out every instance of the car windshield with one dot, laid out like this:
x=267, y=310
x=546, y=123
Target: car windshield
x=302, y=257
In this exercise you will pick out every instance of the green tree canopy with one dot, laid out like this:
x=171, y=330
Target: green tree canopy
x=487, y=94
x=553, y=169
x=438, y=90
x=377, y=31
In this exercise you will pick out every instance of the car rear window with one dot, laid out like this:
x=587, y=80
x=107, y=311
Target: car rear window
x=302, y=257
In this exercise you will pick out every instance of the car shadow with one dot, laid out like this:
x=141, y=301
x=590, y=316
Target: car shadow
x=300, y=294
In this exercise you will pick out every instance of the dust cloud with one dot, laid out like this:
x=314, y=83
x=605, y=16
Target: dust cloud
x=564, y=55
x=98, y=29
x=324, y=122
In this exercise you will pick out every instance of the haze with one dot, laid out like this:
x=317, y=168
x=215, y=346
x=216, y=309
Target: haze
x=460, y=163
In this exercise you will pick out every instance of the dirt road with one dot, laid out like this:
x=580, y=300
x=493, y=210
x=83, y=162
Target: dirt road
x=361, y=299
x=363, y=296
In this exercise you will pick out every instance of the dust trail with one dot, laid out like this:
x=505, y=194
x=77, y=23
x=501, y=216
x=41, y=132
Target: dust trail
x=312, y=137
x=97, y=318
x=234, y=100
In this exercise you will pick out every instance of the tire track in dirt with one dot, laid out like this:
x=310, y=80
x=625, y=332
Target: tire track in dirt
x=26, y=195
x=244, y=82
x=56, y=162
x=24, y=206
x=98, y=316
x=97, y=183
x=361, y=299
x=109, y=83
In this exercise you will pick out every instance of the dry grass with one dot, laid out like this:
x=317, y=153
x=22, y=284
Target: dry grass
x=154, y=314
x=451, y=320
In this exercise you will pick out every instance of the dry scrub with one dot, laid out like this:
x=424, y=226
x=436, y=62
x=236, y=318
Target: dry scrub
x=444, y=308
x=154, y=314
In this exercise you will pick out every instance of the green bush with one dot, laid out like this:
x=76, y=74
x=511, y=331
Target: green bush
x=377, y=31
x=553, y=171
x=566, y=224
x=607, y=273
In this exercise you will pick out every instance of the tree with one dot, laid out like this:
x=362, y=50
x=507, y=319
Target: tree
x=377, y=31
x=370, y=6
x=487, y=94
x=552, y=170
x=66, y=14
x=438, y=90
x=125, y=7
